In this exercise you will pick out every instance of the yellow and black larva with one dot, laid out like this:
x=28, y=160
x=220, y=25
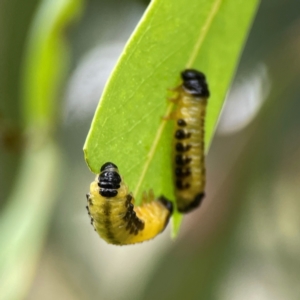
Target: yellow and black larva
x=189, y=164
x=115, y=217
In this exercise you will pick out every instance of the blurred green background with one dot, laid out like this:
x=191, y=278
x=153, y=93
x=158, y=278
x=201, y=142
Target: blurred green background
x=244, y=242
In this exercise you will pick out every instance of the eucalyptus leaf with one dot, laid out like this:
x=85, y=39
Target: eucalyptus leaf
x=128, y=127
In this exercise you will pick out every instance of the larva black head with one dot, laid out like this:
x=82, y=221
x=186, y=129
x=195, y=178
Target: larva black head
x=194, y=82
x=109, y=180
x=108, y=165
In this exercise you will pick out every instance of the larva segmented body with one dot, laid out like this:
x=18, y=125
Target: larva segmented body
x=114, y=215
x=189, y=161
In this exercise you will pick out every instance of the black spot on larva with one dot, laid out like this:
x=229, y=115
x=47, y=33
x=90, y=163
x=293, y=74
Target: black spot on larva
x=182, y=148
x=179, y=172
x=108, y=193
x=187, y=172
x=87, y=197
x=181, y=122
x=141, y=225
x=128, y=200
x=179, y=147
x=182, y=160
x=179, y=159
x=134, y=224
x=181, y=186
x=198, y=199
x=194, y=82
x=181, y=134
x=196, y=202
x=188, y=160
x=188, y=147
x=128, y=226
x=108, y=165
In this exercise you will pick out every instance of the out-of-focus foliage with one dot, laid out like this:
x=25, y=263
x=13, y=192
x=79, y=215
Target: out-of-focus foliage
x=26, y=214
x=243, y=243
x=46, y=59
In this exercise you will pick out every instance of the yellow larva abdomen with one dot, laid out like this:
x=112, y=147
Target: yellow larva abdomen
x=114, y=215
x=189, y=158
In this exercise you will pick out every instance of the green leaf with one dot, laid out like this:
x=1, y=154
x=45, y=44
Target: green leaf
x=128, y=128
x=46, y=60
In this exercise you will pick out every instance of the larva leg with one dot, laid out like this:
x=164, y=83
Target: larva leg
x=89, y=199
x=132, y=198
x=175, y=89
x=171, y=116
x=173, y=99
x=148, y=197
x=151, y=195
x=144, y=198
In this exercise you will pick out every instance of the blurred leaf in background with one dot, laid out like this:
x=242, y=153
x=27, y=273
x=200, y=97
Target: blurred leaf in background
x=26, y=214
